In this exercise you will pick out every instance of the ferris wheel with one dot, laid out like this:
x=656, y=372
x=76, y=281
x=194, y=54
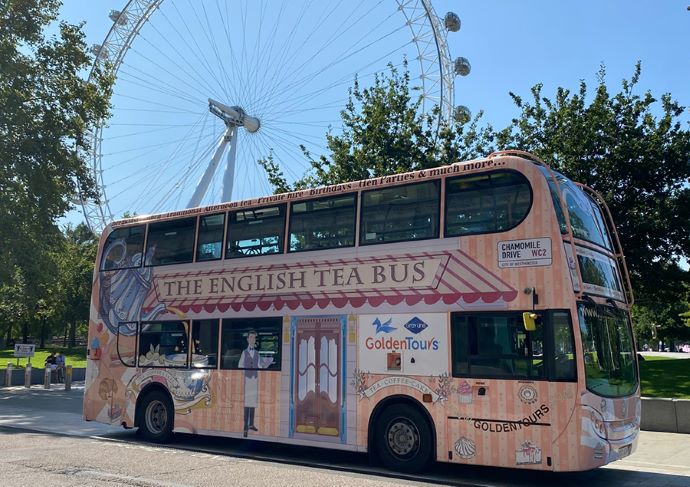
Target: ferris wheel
x=205, y=89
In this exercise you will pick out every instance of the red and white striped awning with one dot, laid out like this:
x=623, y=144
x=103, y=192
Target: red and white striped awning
x=456, y=278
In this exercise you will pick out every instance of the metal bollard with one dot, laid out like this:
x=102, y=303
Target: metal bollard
x=27, y=376
x=8, y=372
x=68, y=378
x=46, y=378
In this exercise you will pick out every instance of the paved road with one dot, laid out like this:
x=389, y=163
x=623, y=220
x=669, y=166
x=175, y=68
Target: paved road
x=44, y=442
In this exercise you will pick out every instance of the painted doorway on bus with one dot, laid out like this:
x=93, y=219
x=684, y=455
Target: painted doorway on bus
x=317, y=404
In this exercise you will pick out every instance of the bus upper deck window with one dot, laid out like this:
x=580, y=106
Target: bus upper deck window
x=486, y=203
x=170, y=242
x=123, y=248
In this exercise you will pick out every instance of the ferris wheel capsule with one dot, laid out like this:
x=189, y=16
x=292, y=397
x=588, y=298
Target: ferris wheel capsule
x=462, y=114
x=452, y=22
x=462, y=66
x=118, y=17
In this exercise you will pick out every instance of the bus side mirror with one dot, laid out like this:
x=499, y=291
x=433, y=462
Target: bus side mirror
x=530, y=320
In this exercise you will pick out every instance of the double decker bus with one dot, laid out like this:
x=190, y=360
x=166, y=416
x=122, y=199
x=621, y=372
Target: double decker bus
x=476, y=313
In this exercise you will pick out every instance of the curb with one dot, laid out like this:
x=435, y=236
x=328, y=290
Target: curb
x=666, y=415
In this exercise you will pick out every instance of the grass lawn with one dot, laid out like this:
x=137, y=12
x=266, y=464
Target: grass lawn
x=665, y=377
x=75, y=357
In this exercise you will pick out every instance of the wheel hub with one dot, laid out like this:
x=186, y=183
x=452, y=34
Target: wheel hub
x=156, y=417
x=403, y=437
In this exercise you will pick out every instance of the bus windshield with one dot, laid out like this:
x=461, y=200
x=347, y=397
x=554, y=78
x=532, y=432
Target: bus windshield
x=586, y=219
x=610, y=368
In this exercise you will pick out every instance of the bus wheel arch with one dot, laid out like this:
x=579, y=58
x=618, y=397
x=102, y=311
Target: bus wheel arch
x=155, y=413
x=419, y=420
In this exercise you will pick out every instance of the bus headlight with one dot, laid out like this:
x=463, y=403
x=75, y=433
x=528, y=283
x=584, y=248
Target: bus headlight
x=598, y=424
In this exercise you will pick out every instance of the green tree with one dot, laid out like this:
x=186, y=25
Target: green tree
x=47, y=107
x=70, y=296
x=639, y=162
x=384, y=132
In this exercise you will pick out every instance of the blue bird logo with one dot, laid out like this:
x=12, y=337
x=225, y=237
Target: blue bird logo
x=383, y=327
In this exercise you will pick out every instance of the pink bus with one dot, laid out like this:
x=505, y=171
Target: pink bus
x=476, y=313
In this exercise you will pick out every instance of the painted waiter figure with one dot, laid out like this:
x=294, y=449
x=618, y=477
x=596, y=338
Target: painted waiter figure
x=251, y=362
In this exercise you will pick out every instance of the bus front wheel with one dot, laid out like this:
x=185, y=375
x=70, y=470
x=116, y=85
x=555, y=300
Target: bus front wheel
x=156, y=417
x=403, y=439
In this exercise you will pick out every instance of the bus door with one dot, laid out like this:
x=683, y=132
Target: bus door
x=317, y=380
x=500, y=413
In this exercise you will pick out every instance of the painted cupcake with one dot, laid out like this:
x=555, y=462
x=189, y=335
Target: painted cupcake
x=465, y=392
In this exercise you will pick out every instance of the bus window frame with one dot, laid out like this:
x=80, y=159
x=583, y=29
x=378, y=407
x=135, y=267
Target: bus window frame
x=222, y=241
x=547, y=337
x=169, y=220
x=355, y=206
x=143, y=248
x=188, y=323
x=281, y=244
x=439, y=207
x=447, y=181
x=136, y=343
x=190, y=365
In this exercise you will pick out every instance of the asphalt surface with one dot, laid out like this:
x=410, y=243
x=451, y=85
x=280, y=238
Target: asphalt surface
x=43, y=441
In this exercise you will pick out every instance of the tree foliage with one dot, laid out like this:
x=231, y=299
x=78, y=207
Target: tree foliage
x=384, y=132
x=632, y=148
x=638, y=161
x=47, y=107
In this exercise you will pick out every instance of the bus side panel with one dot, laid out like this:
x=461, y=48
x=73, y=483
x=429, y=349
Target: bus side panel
x=99, y=381
x=504, y=422
x=565, y=426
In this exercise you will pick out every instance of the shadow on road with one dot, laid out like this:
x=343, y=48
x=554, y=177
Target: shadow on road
x=439, y=473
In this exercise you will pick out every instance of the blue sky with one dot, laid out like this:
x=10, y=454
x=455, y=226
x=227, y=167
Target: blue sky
x=514, y=44
x=511, y=45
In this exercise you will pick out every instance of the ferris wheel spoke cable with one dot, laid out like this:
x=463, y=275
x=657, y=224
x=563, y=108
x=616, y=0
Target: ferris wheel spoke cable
x=192, y=72
x=193, y=78
x=162, y=87
x=150, y=110
x=198, y=52
x=293, y=102
x=157, y=77
x=289, y=54
x=221, y=80
x=285, y=143
x=179, y=147
x=286, y=47
x=147, y=101
x=177, y=184
x=314, y=75
x=282, y=77
x=269, y=66
x=180, y=141
x=235, y=68
x=214, y=46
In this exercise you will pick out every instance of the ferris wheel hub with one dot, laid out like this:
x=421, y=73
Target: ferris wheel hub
x=233, y=116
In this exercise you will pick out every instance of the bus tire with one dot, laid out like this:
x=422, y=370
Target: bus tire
x=403, y=440
x=156, y=417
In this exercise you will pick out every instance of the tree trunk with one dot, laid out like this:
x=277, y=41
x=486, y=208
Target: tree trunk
x=73, y=334
x=25, y=332
x=43, y=334
x=64, y=340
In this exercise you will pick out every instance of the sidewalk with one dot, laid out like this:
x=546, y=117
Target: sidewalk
x=48, y=411
x=59, y=411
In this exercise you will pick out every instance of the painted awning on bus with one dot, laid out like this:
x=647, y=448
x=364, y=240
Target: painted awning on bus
x=412, y=278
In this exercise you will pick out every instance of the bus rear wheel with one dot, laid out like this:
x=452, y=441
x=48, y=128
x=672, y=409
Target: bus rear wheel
x=156, y=418
x=403, y=439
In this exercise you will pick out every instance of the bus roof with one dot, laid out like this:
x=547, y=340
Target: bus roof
x=488, y=162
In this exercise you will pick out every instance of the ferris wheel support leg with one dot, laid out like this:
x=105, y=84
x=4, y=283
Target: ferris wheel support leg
x=229, y=175
x=205, y=181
